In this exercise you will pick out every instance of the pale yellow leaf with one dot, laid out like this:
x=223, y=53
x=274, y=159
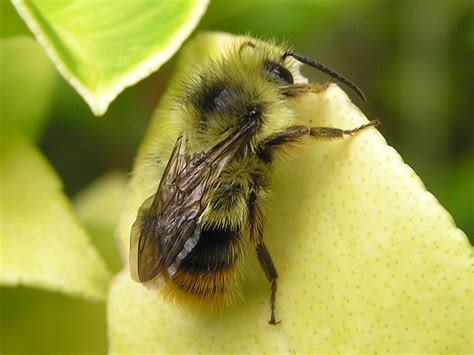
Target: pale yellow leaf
x=98, y=207
x=368, y=260
x=23, y=79
x=42, y=244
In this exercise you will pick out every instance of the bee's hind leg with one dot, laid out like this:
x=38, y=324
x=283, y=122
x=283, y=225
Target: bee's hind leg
x=256, y=237
x=271, y=274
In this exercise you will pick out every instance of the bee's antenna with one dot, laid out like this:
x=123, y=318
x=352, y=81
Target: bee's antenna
x=326, y=70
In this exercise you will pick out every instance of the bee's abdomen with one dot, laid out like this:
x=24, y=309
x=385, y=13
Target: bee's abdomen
x=207, y=272
x=216, y=250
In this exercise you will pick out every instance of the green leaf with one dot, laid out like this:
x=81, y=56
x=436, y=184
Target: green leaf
x=102, y=47
x=36, y=321
x=368, y=260
x=12, y=25
x=26, y=85
x=42, y=245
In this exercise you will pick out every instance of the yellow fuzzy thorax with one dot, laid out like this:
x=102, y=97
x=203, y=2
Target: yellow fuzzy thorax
x=239, y=67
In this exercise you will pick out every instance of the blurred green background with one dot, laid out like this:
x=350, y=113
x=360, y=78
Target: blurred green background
x=413, y=59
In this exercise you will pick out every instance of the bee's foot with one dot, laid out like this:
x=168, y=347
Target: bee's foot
x=273, y=321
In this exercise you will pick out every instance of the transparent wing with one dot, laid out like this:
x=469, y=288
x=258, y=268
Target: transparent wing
x=166, y=228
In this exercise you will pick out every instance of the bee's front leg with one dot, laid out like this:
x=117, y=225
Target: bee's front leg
x=330, y=132
x=294, y=133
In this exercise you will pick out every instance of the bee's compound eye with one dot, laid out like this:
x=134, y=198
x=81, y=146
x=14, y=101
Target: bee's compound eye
x=278, y=72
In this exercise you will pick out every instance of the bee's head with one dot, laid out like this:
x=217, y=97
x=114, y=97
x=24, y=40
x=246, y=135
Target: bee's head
x=248, y=82
x=244, y=84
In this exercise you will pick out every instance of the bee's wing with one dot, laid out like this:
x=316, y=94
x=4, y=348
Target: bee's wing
x=166, y=228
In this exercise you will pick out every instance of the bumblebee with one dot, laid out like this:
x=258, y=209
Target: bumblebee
x=235, y=119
